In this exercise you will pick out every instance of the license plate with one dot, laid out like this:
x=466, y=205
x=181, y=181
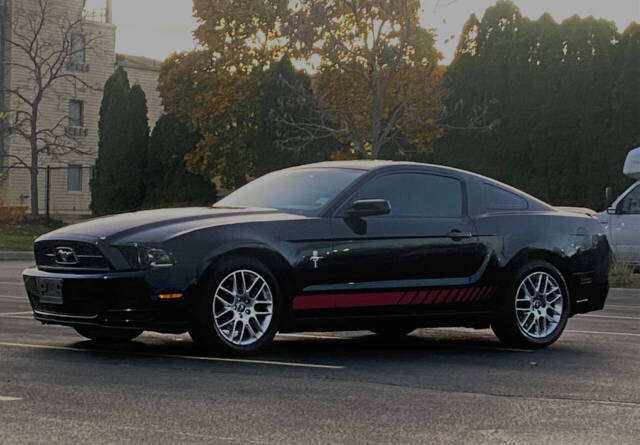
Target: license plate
x=50, y=290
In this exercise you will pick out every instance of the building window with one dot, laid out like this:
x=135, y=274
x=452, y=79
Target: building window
x=74, y=178
x=77, y=50
x=76, y=111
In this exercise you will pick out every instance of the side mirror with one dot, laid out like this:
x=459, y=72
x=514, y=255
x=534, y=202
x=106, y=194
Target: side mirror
x=615, y=210
x=368, y=207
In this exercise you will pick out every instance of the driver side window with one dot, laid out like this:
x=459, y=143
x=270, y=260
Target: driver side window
x=417, y=194
x=631, y=202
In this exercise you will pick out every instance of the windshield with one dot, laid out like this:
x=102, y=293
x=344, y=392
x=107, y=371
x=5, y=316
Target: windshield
x=305, y=190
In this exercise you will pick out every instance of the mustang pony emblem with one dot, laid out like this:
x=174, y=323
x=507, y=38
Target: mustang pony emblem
x=66, y=255
x=315, y=258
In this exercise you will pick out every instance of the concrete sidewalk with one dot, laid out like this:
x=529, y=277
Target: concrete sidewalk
x=8, y=255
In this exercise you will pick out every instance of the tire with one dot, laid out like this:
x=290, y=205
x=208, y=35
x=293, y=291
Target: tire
x=240, y=323
x=534, y=308
x=393, y=330
x=108, y=335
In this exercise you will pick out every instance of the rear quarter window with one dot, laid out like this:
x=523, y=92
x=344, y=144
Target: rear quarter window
x=497, y=198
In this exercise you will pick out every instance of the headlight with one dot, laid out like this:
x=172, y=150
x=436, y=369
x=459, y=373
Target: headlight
x=142, y=257
x=154, y=257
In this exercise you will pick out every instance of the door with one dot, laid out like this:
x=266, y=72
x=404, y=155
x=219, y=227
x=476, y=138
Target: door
x=625, y=227
x=426, y=242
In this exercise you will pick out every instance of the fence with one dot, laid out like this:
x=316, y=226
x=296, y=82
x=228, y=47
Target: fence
x=63, y=191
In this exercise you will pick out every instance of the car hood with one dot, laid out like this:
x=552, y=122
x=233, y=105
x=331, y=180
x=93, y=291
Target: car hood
x=127, y=225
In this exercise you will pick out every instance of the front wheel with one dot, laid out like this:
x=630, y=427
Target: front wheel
x=108, y=335
x=239, y=309
x=535, y=307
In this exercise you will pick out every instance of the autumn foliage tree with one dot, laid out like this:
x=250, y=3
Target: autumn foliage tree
x=379, y=75
x=376, y=83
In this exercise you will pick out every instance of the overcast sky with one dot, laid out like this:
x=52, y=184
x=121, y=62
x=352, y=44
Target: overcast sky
x=156, y=28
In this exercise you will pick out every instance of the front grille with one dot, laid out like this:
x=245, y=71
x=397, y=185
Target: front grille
x=85, y=258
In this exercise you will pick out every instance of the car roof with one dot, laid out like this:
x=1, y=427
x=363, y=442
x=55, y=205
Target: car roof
x=374, y=164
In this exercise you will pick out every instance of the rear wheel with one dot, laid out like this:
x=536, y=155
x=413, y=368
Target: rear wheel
x=535, y=307
x=108, y=334
x=240, y=308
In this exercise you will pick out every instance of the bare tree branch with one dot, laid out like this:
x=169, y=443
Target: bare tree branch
x=39, y=40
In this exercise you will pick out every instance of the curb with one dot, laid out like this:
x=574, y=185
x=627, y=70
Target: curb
x=7, y=255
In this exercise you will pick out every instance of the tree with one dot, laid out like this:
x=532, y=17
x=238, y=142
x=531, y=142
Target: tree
x=553, y=87
x=167, y=182
x=625, y=118
x=221, y=106
x=287, y=94
x=377, y=83
x=39, y=41
x=237, y=115
x=117, y=185
x=137, y=153
x=379, y=74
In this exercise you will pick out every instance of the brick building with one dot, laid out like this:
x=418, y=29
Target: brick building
x=63, y=181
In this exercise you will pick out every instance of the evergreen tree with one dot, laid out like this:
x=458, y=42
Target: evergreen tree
x=123, y=132
x=113, y=136
x=167, y=182
x=625, y=118
x=137, y=154
x=563, y=133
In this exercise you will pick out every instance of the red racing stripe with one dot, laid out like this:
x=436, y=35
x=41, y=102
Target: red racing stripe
x=442, y=296
x=313, y=302
x=431, y=297
x=370, y=299
x=327, y=301
x=419, y=297
x=406, y=298
x=452, y=295
x=463, y=296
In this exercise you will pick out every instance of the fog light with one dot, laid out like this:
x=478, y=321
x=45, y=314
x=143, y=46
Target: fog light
x=169, y=296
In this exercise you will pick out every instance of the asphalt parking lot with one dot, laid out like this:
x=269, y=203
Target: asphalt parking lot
x=435, y=386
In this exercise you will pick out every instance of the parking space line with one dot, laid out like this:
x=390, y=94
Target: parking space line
x=322, y=337
x=21, y=315
x=571, y=331
x=622, y=317
x=13, y=297
x=9, y=399
x=185, y=357
x=622, y=305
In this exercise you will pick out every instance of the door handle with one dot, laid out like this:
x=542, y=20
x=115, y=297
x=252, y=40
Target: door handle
x=456, y=234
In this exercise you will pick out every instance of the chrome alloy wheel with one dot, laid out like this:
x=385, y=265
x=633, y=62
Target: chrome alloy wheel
x=539, y=304
x=242, y=307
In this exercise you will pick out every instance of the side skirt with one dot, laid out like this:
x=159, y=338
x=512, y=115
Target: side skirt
x=478, y=319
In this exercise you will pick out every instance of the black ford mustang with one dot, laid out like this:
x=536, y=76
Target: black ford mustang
x=384, y=246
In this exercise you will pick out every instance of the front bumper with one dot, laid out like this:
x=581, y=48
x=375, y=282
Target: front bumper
x=114, y=299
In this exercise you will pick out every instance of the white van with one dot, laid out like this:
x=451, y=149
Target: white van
x=621, y=220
